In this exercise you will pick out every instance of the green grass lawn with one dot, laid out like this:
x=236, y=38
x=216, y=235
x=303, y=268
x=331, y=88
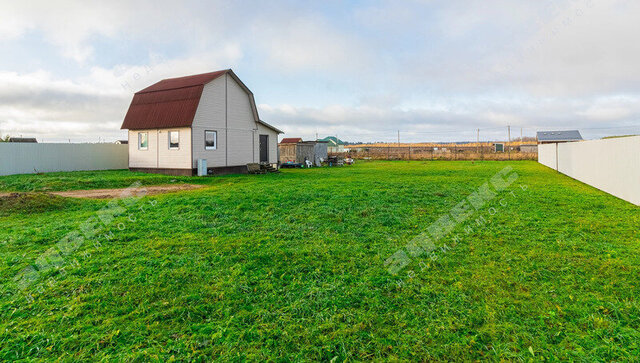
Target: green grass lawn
x=291, y=267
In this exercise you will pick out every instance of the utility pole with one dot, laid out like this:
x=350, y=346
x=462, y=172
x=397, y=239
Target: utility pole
x=478, y=141
x=398, y=138
x=509, y=140
x=521, y=136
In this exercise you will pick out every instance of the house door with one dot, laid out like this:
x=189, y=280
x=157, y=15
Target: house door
x=264, y=148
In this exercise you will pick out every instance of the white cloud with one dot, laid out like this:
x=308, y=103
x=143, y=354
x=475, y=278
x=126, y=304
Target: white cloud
x=39, y=103
x=421, y=66
x=306, y=43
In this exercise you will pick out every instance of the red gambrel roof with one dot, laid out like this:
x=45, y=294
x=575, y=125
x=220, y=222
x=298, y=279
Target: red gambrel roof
x=291, y=140
x=169, y=103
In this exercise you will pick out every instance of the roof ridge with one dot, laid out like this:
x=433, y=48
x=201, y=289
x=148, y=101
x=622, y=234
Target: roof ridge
x=197, y=75
x=168, y=89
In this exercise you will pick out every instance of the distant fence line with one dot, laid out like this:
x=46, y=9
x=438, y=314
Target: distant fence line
x=438, y=153
x=29, y=158
x=611, y=165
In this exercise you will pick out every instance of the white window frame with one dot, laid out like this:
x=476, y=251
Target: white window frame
x=169, y=140
x=140, y=147
x=215, y=140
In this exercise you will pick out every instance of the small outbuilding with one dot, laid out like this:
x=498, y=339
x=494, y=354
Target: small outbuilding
x=552, y=137
x=212, y=117
x=23, y=139
x=528, y=148
x=297, y=151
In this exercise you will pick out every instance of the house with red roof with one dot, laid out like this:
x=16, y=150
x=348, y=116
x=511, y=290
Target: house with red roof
x=291, y=140
x=211, y=116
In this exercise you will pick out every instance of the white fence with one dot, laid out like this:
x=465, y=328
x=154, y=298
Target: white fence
x=26, y=158
x=611, y=165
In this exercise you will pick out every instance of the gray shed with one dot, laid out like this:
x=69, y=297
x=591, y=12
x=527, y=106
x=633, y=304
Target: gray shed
x=321, y=152
x=314, y=151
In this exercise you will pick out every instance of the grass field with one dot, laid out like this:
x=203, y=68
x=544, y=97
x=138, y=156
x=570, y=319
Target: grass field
x=290, y=267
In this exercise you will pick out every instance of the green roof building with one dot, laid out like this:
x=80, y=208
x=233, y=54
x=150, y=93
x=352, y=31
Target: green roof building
x=334, y=145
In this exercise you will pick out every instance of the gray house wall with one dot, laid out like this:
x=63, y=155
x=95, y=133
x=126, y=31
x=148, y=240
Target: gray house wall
x=225, y=107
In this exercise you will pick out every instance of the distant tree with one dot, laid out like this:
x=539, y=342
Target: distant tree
x=5, y=138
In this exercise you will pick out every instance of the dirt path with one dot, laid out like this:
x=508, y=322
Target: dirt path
x=123, y=193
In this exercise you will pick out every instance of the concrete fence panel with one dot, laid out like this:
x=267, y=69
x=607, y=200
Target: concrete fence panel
x=547, y=155
x=27, y=158
x=611, y=165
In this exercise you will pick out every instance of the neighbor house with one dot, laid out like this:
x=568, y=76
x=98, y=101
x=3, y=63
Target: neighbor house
x=334, y=145
x=291, y=140
x=551, y=137
x=211, y=116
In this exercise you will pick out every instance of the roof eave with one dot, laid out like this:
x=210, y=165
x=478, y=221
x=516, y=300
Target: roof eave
x=270, y=126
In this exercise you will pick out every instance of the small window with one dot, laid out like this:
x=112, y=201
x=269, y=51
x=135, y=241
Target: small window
x=174, y=139
x=143, y=141
x=210, y=140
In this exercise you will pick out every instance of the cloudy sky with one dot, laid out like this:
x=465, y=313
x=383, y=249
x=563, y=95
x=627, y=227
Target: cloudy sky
x=435, y=70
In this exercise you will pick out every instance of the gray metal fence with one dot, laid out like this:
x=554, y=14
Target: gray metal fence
x=27, y=158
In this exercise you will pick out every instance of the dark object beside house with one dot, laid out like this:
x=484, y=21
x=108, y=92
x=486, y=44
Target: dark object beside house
x=335, y=161
x=290, y=165
x=257, y=168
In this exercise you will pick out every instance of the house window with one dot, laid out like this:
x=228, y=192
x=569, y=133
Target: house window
x=174, y=140
x=210, y=140
x=143, y=141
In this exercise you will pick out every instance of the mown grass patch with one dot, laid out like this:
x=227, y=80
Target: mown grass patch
x=291, y=267
x=81, y=180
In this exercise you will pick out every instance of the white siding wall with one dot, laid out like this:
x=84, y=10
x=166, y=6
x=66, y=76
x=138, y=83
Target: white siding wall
x=158, y=154
x=241, y=124
x=611, y=165
x=172, y=158
x=210, y=115
x=143, y=158
x=28, y=158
